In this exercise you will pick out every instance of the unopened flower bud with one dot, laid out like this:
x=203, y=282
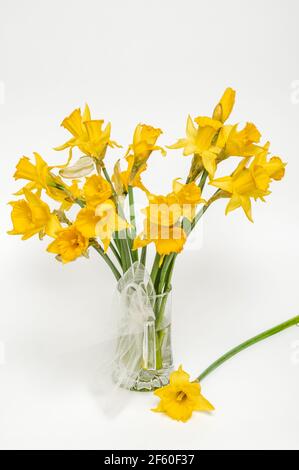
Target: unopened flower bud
x=217, y=114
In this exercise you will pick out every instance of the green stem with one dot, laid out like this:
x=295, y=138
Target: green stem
x=166, y=289
x=197, y=217
x=143, y=256
x=106, y=258
x=80, y=202
x=160, y=309
x=125, y=251
x=134, y=253
x=115, y=252
x=203, y=179
x=250, y=342
x=155, y=268
x=164, y=270
x=106, y=174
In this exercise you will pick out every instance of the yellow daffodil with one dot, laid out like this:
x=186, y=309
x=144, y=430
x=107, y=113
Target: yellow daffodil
x=69, y=244
x=101, y=222
x=163, y=218
x=96, y=190
x=181, y=397
x=41, y=178
x=144, y=143
x=88, y=134
x=212, y=141
x=249, y=182
x=240, y=187
x=123, y=179
x=188, y=197
x=161, y=225
x=239, y=143
x=86, y=222
x=37, y=174
x=224, y=108
x=167, y=239
x=199, y=141
x=274, y=167
x=31, y=216
x=163, y=210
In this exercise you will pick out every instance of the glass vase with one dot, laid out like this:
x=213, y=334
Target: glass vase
x=143, y=356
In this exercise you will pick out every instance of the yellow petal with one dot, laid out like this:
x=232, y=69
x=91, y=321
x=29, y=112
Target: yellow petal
x=181, y=143
x=86, y=222
x=177, y=411
x=140, y=242
x=234, y=203
x=276, y=168
x=67, y=144
x=21, y=217
x=69, y=244
x=96, y=190
x=209, y=162
x=225, y=105
x=179, y=378
x=225, y=183
x=204, y=121
x=73, y=123
x=170, y=240
x=25, y=170
x=86, y=114
x=246, y=205
x=53, y=226
x=202, y=404
x=191, y=130
x=93, y=129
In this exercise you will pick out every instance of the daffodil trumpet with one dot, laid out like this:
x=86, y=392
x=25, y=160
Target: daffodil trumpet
x=88, y=202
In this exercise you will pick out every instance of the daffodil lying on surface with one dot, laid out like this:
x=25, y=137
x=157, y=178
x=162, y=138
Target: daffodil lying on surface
x=181, y=397
x=86, y=202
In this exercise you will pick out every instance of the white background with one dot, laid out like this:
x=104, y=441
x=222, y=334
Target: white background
x=154, y=62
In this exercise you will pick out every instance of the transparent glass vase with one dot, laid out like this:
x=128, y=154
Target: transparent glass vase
x=143, y=356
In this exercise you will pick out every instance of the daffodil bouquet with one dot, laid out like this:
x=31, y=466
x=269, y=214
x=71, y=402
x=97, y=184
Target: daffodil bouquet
x=106, y=223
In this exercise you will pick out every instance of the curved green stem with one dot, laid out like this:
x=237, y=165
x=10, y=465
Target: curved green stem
x=250, y=342
x=115, y=252
x=106, y=258
x=197, y=217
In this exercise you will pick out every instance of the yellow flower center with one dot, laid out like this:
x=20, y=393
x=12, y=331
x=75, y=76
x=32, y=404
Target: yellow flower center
x=75, y=242
x=181, y=396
